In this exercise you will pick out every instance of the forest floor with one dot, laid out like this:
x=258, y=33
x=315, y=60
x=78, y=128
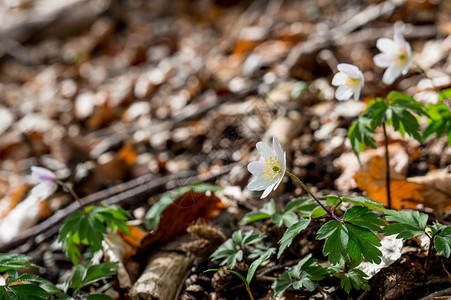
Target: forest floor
x=129, y=100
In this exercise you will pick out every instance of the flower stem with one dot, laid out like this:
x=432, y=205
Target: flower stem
x=71, y=191
x=428, y=259
x=331, y=214
x=387, y=166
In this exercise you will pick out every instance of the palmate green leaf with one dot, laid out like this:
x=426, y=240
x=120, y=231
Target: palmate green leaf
x=246, y=238
x=359, y=216
x=354, y=279
x=405, y=122
x=303, y=275
x=291, y=233
x=408, y=224
x=14, y=262
x=363, y=242
x=442, y=240
x=90, y=227
x=256, y=263
x=281, y=284
x=226, y=250
x=360, y=134
x=439, y=121
x=98, y=272
x=337, y=240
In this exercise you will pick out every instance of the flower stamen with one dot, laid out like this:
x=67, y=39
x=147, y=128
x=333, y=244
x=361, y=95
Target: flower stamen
x=272, y=168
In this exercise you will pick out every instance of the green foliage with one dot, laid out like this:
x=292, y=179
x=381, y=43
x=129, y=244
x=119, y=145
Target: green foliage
x=153, y=215
x=408, y=224
x=442, y=241
x=353, y=236
x=398, y=110
x=256, y=263
x=287, y=216
x=444, y=94
x=291, y=233
x=14, y=262
x=231, y=250
x=304, y=274
x=439, y=121
x=354, y=278
x=34, y=288
x=85, y=275
x=89, y=227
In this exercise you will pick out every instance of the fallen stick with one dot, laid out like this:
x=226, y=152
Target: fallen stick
x=163, y=277
x=133, y=190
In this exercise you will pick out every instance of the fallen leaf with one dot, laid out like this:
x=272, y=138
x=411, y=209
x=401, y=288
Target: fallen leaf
x=436, y=189
x=372, y=180
x=115, y=250
x=186, y=209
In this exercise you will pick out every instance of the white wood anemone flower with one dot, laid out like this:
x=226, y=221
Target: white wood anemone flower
x=349, y=80
x=47, y=182
x=269, y=172
x=396, y=56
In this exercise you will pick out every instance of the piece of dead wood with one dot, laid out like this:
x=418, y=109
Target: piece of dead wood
x=138, y=189
x=163, y=277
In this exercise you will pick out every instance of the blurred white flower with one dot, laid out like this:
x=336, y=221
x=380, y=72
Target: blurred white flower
x=396, y=56
x=47, y=182
x=269, y=172
x=349, y=80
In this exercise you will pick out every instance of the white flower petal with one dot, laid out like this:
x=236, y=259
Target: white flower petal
x=357, y=93
x=267, y=191
x=43, y=174
x=258, y=184
x=256, y=167
x=43, y=190
x=343, y=92
x=279, y=180
x=265, y=150
x=399, y=39
x=391, y=74
x=350, y=70
x=386, y=45
x=277, y=148
x=339, y=79
x=383, y=60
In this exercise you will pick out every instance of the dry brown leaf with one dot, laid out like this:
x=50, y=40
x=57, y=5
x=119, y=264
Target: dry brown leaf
x=436, y=189
x=186, y=209
x=372, y=180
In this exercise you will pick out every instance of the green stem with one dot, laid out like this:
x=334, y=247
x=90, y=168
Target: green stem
x=428, y=259
x=387, y=166
x=71, y=191
x=313, y=196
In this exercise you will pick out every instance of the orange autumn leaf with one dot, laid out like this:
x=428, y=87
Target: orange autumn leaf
x=372, y=180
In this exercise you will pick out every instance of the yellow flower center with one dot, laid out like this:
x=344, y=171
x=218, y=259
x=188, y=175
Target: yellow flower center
x=352, y=82
x=272, y=168
x=401, y=59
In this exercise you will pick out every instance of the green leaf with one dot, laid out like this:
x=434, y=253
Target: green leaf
x=14, y=262
x=281, y=284
x=364, y=201
x=354, y=279
x=359, y=216
x=267, y=211
x=444, y=94
x=363, y=242
x=443, y=245
x=336, y=244
x=253, y=267
x=327, y=229
x=409, y=223
x=226, y=250
x=291, y=233
x=99, y=272
x=29, y=291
